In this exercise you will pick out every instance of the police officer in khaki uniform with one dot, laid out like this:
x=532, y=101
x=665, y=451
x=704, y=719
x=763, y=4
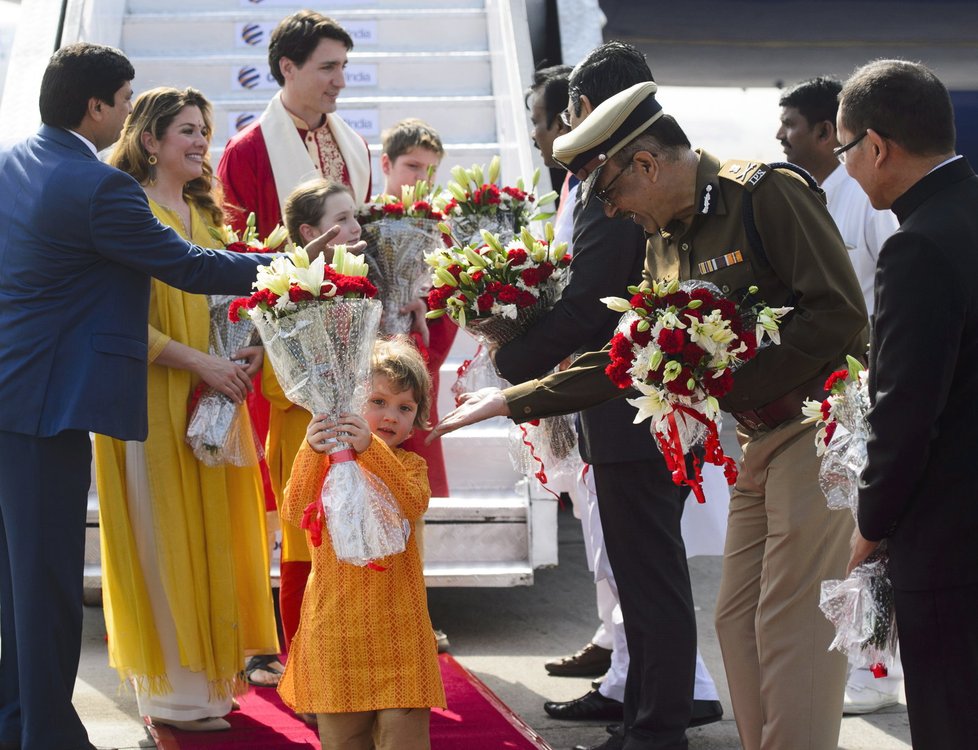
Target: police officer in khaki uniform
x=736, y=224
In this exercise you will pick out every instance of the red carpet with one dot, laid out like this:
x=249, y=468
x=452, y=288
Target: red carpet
x=475, y=720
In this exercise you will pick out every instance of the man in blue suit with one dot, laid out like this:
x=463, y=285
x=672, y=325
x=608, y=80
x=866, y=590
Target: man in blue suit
x=78, y=245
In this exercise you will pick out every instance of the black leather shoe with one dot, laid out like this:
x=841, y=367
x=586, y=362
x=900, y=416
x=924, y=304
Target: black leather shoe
x=591, y=705
x=590, y=661
x=705, y=712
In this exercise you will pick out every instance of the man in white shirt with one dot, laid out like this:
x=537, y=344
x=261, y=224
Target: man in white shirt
x=808, y=137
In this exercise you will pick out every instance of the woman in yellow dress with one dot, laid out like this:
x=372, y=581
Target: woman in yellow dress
x=184, y=558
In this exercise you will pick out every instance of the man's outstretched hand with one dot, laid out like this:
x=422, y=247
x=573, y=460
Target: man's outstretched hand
x=323, y=245
x=472, y=408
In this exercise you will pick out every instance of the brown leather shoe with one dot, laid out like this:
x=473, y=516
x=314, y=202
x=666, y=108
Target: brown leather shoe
x=590, y=661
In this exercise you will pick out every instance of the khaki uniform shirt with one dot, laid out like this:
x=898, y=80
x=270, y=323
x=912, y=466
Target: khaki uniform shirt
x=805, y=266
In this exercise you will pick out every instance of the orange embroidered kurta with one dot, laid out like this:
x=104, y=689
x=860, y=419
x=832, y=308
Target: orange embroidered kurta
x=365, y=640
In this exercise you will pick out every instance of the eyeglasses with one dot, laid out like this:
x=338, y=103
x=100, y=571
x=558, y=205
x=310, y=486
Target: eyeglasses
x=565, y=118
x=840, y=152
x=604, y=195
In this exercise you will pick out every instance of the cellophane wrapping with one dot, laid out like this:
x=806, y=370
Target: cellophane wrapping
x=550, y=445
x=861, y=608
x=468, y=229
x=845, y=456
x=395, y=253
x=218, y=430
x=321, y=356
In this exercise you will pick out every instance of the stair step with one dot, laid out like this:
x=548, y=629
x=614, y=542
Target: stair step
x=477, y=508
x=477, y=458
x=382, y=30
x=244, y=74
x=478, y=573
x=285, y=7
x=465, y=120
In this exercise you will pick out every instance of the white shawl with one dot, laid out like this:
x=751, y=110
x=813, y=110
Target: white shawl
x=291, y=162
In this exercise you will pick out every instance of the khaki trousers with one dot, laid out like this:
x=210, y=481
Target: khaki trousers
x=782, y=542
x=386, y=729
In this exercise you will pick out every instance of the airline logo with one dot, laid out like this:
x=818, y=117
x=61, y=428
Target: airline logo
x=259, y=77
x=248, y=35
x=365, y=121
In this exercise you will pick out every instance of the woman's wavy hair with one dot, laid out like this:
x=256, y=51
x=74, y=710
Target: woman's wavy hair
x=153, y=112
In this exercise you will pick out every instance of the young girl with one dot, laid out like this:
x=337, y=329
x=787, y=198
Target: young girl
x=364, y=657
x=318, y=205
x=314, y=204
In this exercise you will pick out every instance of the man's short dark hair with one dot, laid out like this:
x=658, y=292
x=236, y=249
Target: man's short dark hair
x=606, y=70
x=551, y=85
x=77, y=73
x=816, y=99
x=298, y=35
x=902, y=101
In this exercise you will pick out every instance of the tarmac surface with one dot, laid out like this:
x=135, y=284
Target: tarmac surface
x=505, y=636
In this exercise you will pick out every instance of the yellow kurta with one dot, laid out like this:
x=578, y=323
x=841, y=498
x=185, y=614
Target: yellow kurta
x=209, y=521
x=365, y=640
x=287, y=423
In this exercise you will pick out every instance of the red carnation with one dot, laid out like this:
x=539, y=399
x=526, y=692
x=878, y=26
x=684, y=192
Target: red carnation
x=437, y=297
x=680, y=386
x=508, y=294
x=517, y=256
x=476, y=276
x=494, y=287
x=420, y=206
x=727, y=309
x=835, y=377
x=642, y=338
x=393, y=209
x=484, y=302
x=826, y=410
x=704, y=295
x=617, y=372
x=525, y=299
x=678, y=299
x=546, y=270
x=671, y=340
x=515, y=193
x=830, y=431
x=455, y=270
x=531, y=276
x=693, y=354
x=750, y=341
x=298, y=294
x=238, y=247
x=639, y=300
x=719, y=386
x=237, y=309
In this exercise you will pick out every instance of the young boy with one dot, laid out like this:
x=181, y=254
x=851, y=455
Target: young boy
x=364, y=659
x=412, y=152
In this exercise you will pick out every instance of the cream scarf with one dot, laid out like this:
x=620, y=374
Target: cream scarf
x=291, y=163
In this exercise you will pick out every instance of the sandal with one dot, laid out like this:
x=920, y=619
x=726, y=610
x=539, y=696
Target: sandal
x=264, y=670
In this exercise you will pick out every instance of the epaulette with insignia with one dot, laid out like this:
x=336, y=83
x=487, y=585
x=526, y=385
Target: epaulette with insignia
x=745, y=173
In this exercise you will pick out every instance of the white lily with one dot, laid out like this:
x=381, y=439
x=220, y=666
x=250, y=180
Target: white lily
x=653, y=405
x=299, y=257
x=275, y=276
x=310, y=279
x=618, y=304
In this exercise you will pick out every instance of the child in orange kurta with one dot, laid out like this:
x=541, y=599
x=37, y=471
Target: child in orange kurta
x=364, y=658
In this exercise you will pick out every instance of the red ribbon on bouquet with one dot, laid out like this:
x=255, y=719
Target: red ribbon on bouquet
x=672, y=451
x=541, y=475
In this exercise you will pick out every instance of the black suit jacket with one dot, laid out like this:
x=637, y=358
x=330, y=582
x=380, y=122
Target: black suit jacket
x=920, y=486
x=609, y=254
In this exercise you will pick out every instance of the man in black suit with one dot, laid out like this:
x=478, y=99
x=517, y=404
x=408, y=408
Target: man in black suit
x=897, y=124
x=640, y=506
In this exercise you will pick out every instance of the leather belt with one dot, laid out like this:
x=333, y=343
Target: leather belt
x=783, y=409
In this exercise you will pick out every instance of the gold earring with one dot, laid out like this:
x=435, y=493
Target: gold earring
x=152, y=168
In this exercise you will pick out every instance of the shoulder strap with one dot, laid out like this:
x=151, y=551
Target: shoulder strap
x=751, y=181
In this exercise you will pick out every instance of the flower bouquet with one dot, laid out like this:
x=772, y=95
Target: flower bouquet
x=842, y=433
x=861, y=606
x=677, y=345
x=319, y=323
x=477, y=202
x=216, y=425
x=496, y=292
x=399, y=233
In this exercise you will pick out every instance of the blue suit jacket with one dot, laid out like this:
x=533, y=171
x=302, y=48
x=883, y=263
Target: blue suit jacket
x=78, y=245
